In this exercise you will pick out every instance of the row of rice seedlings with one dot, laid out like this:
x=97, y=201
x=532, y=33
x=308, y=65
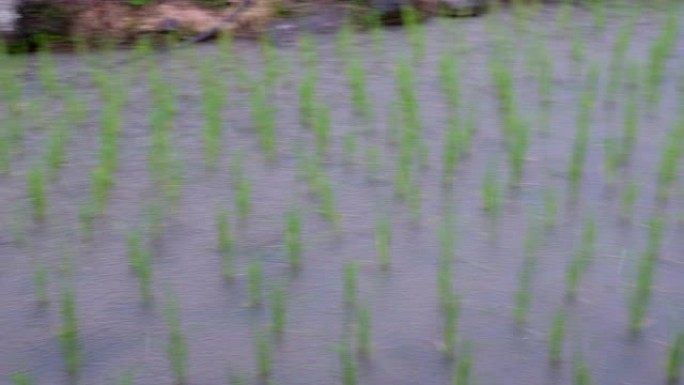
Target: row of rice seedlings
x=255, y=282
x=557, y=337
x=518, y=142
x=451, y=311
x=264, y=120
x=177, y=348
x=272, y=65
x=293, y=239
x=464, y=364
x=345, y=40
x=308, y=97
x=55, y=154
x=242, y=188
x=582, y=134
x=47, y=70
x=140, y=261
x=22, y=379
x=350, y=281
x=213, y=100
x=278, y=310
x=383, y=241
x=675, y=358
x=226, y=244
x=670, y=156
x=68, y=332
x=660, y=51
x=581, y=258
x=308, y=51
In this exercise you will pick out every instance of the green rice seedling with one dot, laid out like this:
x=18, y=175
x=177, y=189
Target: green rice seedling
x=127, y=378
x=447, y=235
x=415, y=31
x=55, y=155
x=271, y=63
x=40, y=281
x=557, y=337
x=523, y=295
x=640, y=296
x=383, y=241
x=86, y=219
x=675, y=359
x=225, y=244
x=492, y=197
x=598, y=10
x=660, y=51
x=452, y=150
x=357, y=79
x=322, y=123
x=75, y=109
x=140, y=261
x=588, y=245
x=630, y=128
x=68, y=332
x=577, y=52
x=668, y=168
x=243, y=199
x=328, y=203
x=102, y=182
x=308, y=51
x=518, y=144
x=415, y=201
x=364, y=331
x=628, y=196
x=226, y=50
x=345, y=41
x=307, y=97
x=377, y=33
x=347, y=364
x=156, y=216
x=581, y=373
x=618, y=55
x=279, y=310
x=581, y=143
x=22, y=379
x=351, y=283
x=408, y=99
x=612, y=158
x=451, y=314
x=263, y=348
x=581, y=258
x=255, y=281
x=293, y=239
x=213, y=99
x=5, y=153
x=264, y=120
x=449, y=78
x=565, y=14
x=464, y=364
x=47, y=70
x=445, y=279
x=37, y=193
x=177, y=349
x=502, y=78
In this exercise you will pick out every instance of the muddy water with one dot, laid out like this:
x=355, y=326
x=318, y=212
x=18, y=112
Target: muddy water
x=119, y=333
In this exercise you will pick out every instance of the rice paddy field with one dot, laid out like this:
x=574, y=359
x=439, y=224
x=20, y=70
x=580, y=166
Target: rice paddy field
x=492, y=200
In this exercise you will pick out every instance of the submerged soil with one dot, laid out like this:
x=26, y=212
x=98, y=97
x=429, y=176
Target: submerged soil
x=120, y=333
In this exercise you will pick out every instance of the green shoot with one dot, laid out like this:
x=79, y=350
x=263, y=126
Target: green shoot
x=628, y=197
x=557, y=337
x=351, y=283
x=255, y=278
x=451, y=315
x=364, y=331
x=225, y=244
x=177, y=349
x=40, y=281
x=263, y=349
x=37, y=194
x=348, y=365
x=581, y=373
x=464, y=365
x=675, y=358
x=383, y=239
x=279, y=310
x=293, y=239
x=22, y=379
x=68, y=333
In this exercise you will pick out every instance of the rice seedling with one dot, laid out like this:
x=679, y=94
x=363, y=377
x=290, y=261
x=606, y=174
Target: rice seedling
x=271, y=63
x=357, y=79
x=675, y=359
x=630, y=128
x=523, y=295
x=345, y=40
x=307, y=97
x=582, y=258
x=56, y=149
x=243, y=199
x=668, y=168
x=641, y=294
x=47, y=70
x=415, y=32
x=225, y=244
x=383, y=240
x=156, y=216
x=40, y=281
x=37, y=193
x=213, y=99
x=628, y=197
x=264, y=120
x=550, y=210
x=581, y=142
x=347, y=364
x=364, y=331
x=255, y=281
x=451, y=314
x=177, y=349
x=278, y=309
x=322, y=123
x=518, y=144
x=351, y=283
x=464, y=364
x=415, y=201
x=577, y=52
x=408, y=99
x=328, y=205
x=449, y=78
x=453, y=145
x=293, y=238
x=581, y=373
x=557, y=337
x=620, y=48
x=308, y=51
x=263, y=348
x=492, y=197
x=69, y=334
x=22, y=379
x=140, y=261
x=660, y=51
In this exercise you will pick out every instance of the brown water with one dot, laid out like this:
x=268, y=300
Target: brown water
x=119, y=333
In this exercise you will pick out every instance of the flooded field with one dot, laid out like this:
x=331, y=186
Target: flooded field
x=493, y=200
